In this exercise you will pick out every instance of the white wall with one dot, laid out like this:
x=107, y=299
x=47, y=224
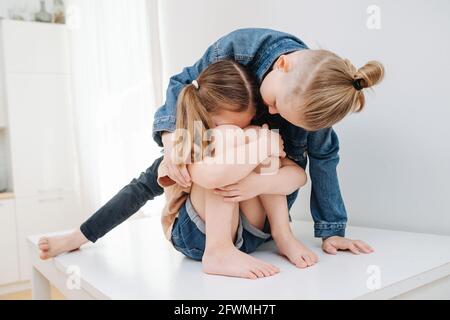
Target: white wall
x=395, y=156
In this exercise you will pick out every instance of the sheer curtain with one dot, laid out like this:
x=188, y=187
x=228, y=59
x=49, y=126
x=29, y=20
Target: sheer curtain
x=116, y=87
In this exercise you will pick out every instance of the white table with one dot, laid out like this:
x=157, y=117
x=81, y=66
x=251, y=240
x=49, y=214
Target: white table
x=134, y=261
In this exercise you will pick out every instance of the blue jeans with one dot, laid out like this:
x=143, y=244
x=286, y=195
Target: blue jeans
x=188, y=233
x=124, y=204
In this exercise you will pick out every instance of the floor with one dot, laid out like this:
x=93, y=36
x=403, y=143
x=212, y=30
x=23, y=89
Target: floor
x=26, y=295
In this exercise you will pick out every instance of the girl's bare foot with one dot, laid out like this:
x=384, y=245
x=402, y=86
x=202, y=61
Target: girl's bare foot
x=231, y=262
x=295, y=251
x=52, y=246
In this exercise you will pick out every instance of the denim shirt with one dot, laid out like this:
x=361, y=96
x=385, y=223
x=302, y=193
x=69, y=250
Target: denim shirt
x=258, y=49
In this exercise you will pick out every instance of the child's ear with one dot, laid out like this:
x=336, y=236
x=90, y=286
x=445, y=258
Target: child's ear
x=282, y=63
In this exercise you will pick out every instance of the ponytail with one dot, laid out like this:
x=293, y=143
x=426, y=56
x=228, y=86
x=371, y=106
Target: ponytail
x=367, y=76
x=335, y=89
x=370, y=74
x=193, y=120
x=223, y=85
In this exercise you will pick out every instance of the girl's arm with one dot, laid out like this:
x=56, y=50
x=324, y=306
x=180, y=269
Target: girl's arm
x=215, y=172
x=286, y=180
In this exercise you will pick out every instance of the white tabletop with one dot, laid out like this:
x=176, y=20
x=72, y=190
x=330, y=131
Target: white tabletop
x=134, y=261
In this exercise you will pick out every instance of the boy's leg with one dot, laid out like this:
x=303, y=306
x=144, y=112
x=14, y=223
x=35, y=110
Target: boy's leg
x=278, y=214
x=221, y=257
x=122, y=206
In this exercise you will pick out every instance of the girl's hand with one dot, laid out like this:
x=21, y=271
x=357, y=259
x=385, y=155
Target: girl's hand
x=274, y=141
x=247, y=188
x=331, y=245
x=177, y=173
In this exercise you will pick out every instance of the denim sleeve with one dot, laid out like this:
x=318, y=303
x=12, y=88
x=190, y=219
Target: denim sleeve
x=327, y=207
x=124, y=204
x=165, y=116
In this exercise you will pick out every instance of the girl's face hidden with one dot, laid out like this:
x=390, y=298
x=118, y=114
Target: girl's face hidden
x=241, y=119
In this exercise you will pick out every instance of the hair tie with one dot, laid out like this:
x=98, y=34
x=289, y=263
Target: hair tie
x=195, y=84
x=357, y=84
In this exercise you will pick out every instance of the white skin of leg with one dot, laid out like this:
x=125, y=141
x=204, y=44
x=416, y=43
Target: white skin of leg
x=287, y=244
x=221, y=257
x=275, y=206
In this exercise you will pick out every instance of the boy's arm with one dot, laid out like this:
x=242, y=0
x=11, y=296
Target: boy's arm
x=165, y=116
x=327, y=207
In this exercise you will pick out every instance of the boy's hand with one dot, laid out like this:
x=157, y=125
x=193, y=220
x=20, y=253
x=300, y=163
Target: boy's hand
x=331, y=245
x=177, y=173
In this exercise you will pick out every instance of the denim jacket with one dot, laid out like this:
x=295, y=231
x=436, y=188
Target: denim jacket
x=258, y=49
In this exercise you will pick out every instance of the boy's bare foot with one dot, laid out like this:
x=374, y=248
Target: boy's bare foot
x=52, y=246
x=231, y=262
x=295, y=251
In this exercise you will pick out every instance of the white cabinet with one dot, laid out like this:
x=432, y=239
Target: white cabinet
x=42, y=145
x=35, y=47
x=44, y=168
x=9, y=265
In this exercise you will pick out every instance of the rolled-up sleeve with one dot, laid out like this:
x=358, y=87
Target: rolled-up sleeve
x=165, y=116
x=327, y=206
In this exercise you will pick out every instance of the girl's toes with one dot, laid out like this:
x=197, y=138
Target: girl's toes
x=308, y=260
x=275, y=270
x=258, y=272
x=268, y=272
x=251, y=275
x=44, y=247
x=264, y=273
x=300, y=263
x=272, y=268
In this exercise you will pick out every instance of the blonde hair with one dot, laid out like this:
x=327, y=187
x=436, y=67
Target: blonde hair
x=223, y=85
x=335, y=88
